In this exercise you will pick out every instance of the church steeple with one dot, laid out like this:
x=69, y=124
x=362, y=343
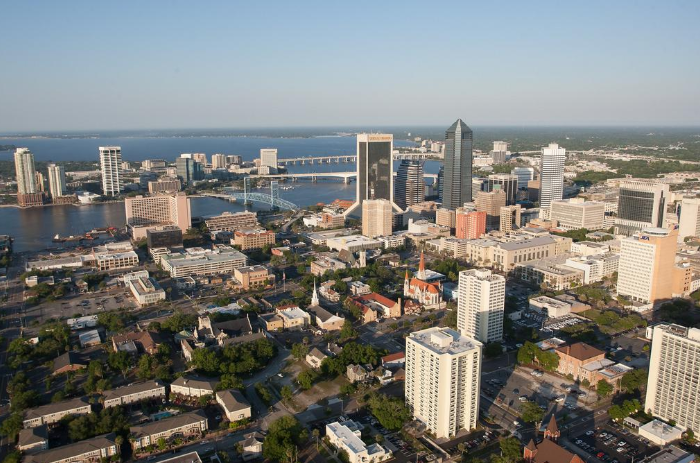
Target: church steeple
x=314, y=296
x=421, y=267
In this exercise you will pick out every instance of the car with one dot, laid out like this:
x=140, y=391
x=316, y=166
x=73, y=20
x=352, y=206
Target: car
x=152, y=457
x=280, y=375
x=559, y=399
x=522, y=398
x=516, y=423
x=600, y=454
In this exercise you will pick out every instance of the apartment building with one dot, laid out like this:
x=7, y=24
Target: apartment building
x=236, y=407
x=491, y=202
x=32, y=440
x=577, y=213
x=253, y=276
x=93, y=450
x=207, y=263
x=52, y=413
x=469, y=224
x=673, y=387
x=143, y=212
x=193, y=387
x=111, y=170
x=232, y=221
x=480, y=305
x=192, y=424
x=165, y=185
x=443, y=371
x=134, y=393
x=253, y=239
x=510, y=218
x=347, y=436
x=146, y=291
x=377, y=218
x=445, y=218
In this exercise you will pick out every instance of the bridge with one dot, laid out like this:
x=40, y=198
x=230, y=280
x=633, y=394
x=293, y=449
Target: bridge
x=246, y=196
x=314, y=176
x=352, y=158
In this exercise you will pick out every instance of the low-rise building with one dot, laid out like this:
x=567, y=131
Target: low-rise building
x=253, y=239
x=96, y=449
x=660, y=433
x=115, y=256
x=52, y=413
x=357, y=288
x=397, y=359
x=324, y=264
x=192, y=424
x=206, y=263
x=671, y=454
x=581, y=361
x=236, y=407
x=346, y=436
x=356, y=373
x=252, y=446
x=253, y=276
x=293, y=318
x=193, y=387
x=315, y=357
x=272, y=322
x=33, y=439
x=354, y=243
x=232, y=221
x=70, y=361
x=137, y=342
x=550, y=272
x=146, y=291
x=324, y=319
x=554, y=308
x=134, y=393
x=89, y=321
x=378, y=303
x=89, y=338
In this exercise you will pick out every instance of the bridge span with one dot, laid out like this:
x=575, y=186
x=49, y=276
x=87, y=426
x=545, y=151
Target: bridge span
x=347, y=177
x=352, y=158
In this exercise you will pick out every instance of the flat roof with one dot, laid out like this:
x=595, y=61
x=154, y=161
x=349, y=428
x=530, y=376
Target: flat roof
x=451, y=341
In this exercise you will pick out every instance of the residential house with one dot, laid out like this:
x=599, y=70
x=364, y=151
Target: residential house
x=70, y=361
x=356, y=373
x=252, y=446
x=52, y=413
x=143, y=341
x=235, y=405
x=397, y=359
x=192, y=424
x=94, y=450
x=188, y=386
x=315, y=357
x=134, y=393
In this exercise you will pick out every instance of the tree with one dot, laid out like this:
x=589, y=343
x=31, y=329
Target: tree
x=530, y=412
x=603, y=388
x=299, y=351
x=510, y=449
x=391, y=412
x=493, y=349
x=286, y=393
x=347, y=331
x=306, y=379
x=316, y=433
x=12, y=426
x=206, y=361
x=633, y=380
x=283, y=437
x=120, y=361
x=13, y=457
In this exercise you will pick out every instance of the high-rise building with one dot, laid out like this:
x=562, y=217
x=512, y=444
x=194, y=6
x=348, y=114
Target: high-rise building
x=524, y=174
x=500, y=152
x=507, y=182
x=491, y=203
x=24, y=168
x=188, y=170
x=40, y=182
x=458, y=166
x=577, y=213
x=510, y=218
x=446, y=218
x=375, y=178
x=480, y=305
x=689, y=223
x=268, y=157
x=377, y=217
x=440, y=182
x=218, y=161
x=647, y=265
x=469, y=224
x=409, y=185
x=111, y=167
x=673, y=385
x=551, y=174
x=641, y=204
x=442, y=387
x=200, y=158
x=57, y=181
x=149, y=211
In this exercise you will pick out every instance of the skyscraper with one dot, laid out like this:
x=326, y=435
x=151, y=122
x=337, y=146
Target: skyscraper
x=375, y=178
x=491, y=203
x=551, y=174
x=218, y=161
x=673, y=385
x=26, y=174
x=641, y=204
x=510, y=218
x=110, y=164
x=410, y=186
x=500, y=151
x=689, y=223
x=149, y=211
x=188, y=170
x=377, y=217
x=440, y=182
x=458, y=166
x=268, y=157
x=524, y=174
x=443, y=372
x=200, y=158
x=507, y=182
x=57, y=181
x=480, y=305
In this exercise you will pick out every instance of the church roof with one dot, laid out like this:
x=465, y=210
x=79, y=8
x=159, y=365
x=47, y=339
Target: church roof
x=424, y=285
x=552, y=426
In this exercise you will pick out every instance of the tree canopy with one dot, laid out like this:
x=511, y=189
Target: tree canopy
x=284, y=436
x=391, y=412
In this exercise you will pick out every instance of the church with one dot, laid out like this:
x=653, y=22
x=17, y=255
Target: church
x=421, y=290
x=549, y=451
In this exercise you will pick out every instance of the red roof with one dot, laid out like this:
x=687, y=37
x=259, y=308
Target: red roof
x=423, y=285
x=385, y=301
x=392, y=357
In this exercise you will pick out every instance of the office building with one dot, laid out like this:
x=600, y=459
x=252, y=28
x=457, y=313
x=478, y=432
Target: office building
x=253, y=239
x=500, y=152
x=111, y=167
x=375, y=179
x=410, y=186
x=443, y=371
x=469, y=224
x=551, y=174
x=57, y=181
x=440, y=182
x=457, y=188
x=376, y=218
x=446, y=218
x=480, y=305
x=510, y=218
x=673, y=386
x=146, y=291
x=577, y=213
x=641, y=204
x=166, y=236
x=218, y=161
x=154, y=164
x=524, y=174
x=268, y=157
x=164, y=185
x=689, y=223
x=208, y=263
x=200, y=158
x=231, y=221
x=647, y=265
x=508, y=183
x=491, y=203
x=254, y=276
x=188, y=170
x=150, y=211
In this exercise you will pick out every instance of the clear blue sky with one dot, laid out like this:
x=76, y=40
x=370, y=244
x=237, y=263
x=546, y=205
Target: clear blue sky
x=181, y=64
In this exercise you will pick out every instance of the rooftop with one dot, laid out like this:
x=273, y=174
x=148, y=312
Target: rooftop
x=233, y=400
x=444, y=341
x=71, y=451
x=133, y=389
x=168, y=424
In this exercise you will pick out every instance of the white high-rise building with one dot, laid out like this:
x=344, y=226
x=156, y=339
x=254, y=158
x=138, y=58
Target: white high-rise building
x=673, y=387
x=26, y=174
x=110, y=165
x=268, y=157
x=218, y=161
x=551, y=175
x=480, y=305
x=689, y=224
x=377, y=217
x=57, y=181
x=443, y=371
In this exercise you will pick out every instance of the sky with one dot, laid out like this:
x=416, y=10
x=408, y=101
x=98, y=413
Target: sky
x=85, y=65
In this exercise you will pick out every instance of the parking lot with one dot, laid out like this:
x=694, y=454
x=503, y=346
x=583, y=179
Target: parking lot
x=614, y=445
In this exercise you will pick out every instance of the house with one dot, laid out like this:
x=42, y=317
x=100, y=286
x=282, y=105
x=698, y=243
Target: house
x=549, y=451
x=356, y=373
x=193, y=387
x=346, y=436
x=52, y=413
x=315, y=357
x=397, y=359
x=581, y=361
x=96, y=449
x=420, y=289
x=144, y=342
x=70, y=361
x=235, y=405
x=272, y=322
x=380, y=305
x=134, y=393
x=90, y=338
x=252, y=446
x=34, y=439
x=192, y=424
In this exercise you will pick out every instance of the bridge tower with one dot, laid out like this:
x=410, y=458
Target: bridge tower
x=246, y=191
x=274, y=194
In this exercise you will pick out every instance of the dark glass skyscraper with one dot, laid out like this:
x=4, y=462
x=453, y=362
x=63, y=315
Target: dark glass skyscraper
x=409, y=186
x=375, y=178
x=457, y=189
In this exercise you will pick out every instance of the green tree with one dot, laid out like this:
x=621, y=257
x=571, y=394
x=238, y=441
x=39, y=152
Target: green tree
x=510, y=449
x=286, y=393
x=391, y=412
x=347, y=331
x=306, y=379
x=530, y=412
x=299, y=351
x=206, y=361
x=493, y=349
x=633, y=380
x=283, y=438
x=603, y=388
x=13, y=457
x=11, y=426
x=120, y=361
